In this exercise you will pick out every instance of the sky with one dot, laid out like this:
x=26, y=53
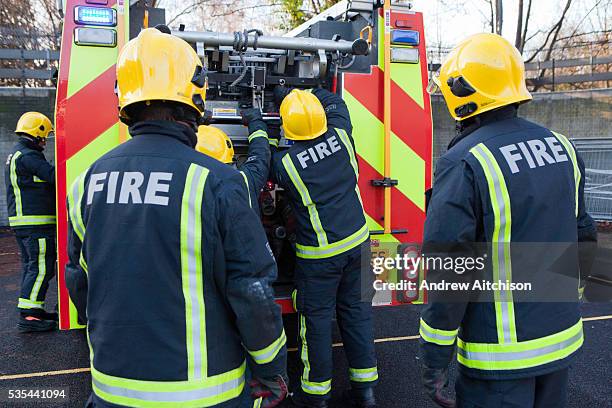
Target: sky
x=445, y=25
x=448, y=25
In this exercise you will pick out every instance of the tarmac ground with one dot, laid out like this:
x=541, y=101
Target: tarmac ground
x=60, y=359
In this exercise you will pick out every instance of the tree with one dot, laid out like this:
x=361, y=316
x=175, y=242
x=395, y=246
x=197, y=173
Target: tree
x=28, y=25
x=299, y=11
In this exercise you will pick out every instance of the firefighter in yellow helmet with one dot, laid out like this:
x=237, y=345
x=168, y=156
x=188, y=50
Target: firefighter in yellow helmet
x=256, y=167
x=167, y=261
x=319, y=173
x=504, y=180
x=30, y=182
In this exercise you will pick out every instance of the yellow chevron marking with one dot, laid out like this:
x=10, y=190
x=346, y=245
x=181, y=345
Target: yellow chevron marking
x=87, y=155
x=406, y=76
x=406, y=165
x=87, y=63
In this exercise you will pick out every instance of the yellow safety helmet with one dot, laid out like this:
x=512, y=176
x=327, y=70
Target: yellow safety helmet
x=215, y=143
x=482, y=73
x=303, y=116
x=162, y=67
x=34, y=124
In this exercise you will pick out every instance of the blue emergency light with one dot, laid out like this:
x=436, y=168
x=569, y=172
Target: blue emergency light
x=97, y=16
x=405, y=37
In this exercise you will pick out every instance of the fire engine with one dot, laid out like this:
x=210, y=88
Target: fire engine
x=372, y=54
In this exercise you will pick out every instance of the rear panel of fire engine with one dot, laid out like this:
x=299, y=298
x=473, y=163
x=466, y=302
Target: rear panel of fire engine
x=244, y=79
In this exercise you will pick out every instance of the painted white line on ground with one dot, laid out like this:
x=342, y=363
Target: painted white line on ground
x=292, y=349
x=44, y=374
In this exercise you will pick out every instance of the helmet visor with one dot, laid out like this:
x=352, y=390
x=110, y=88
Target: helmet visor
x=434, y=83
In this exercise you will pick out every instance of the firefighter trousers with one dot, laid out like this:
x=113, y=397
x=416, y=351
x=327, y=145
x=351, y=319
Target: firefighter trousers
x=544, y=391
x=342, y=285
x=37, y=249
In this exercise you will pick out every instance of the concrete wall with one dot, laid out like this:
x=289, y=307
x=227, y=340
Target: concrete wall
x=576, y=114
x=579, y=114
x=13, y=103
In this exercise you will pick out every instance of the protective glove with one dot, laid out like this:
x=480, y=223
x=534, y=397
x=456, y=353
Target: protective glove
x=280, y=92
x=250, y=115
x=272, y=390
x=434, y=381
x=206, y=118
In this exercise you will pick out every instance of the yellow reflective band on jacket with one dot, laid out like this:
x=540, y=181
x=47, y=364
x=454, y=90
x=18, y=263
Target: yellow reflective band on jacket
x=42, y=268
x=316, y=388
x=75, y=196
x=522, y=354
x=19, y=219
x=246, y=181
x=569, y=148
x=363, y=374
x=30, y=304
x=500, y=242
x=267, y=354
x=437, y=336
x=27, y=220
x=257, y=133
x=335, y=248
x=191, y=270
x=257, y=402
x=83, y=263
x=353, y=158
x=205, y=392
x=306, y=200
x=15, y=184
x=273, y=142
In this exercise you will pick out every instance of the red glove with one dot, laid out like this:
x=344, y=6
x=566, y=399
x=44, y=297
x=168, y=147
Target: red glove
x=272, y=390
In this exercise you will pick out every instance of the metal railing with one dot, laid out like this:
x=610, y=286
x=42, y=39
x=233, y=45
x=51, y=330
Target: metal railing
x=554, y=65
x=597, y=156
x=20, y=55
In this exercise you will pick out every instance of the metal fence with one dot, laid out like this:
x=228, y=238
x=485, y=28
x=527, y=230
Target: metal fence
x=597, y=156
x=591, y=69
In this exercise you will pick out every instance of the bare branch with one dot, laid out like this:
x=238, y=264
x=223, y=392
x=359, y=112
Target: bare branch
x=238, y=10
x=519, y=26
x=525, y=28
x=499, y=16
x=187, y=10
x=554, y=31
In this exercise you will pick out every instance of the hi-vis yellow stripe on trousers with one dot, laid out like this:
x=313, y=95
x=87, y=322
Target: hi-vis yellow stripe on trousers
x=199, y=390
x=500, y=243
x=309, y=387
x=572, y=154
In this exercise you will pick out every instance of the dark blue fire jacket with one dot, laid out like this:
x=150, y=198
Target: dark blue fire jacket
x=30, y=187
x=173, y=271
x=320, y=176
x=506, y=180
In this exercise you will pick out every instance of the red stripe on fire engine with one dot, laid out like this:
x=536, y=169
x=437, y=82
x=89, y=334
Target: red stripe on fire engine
x=408, y=119
x=83, y=127
x=404, y=213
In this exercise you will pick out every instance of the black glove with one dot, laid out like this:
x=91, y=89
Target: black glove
x=272, y=390
x=206, y=118
x=250, y=115
x=280, y=92
x=434, y=381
